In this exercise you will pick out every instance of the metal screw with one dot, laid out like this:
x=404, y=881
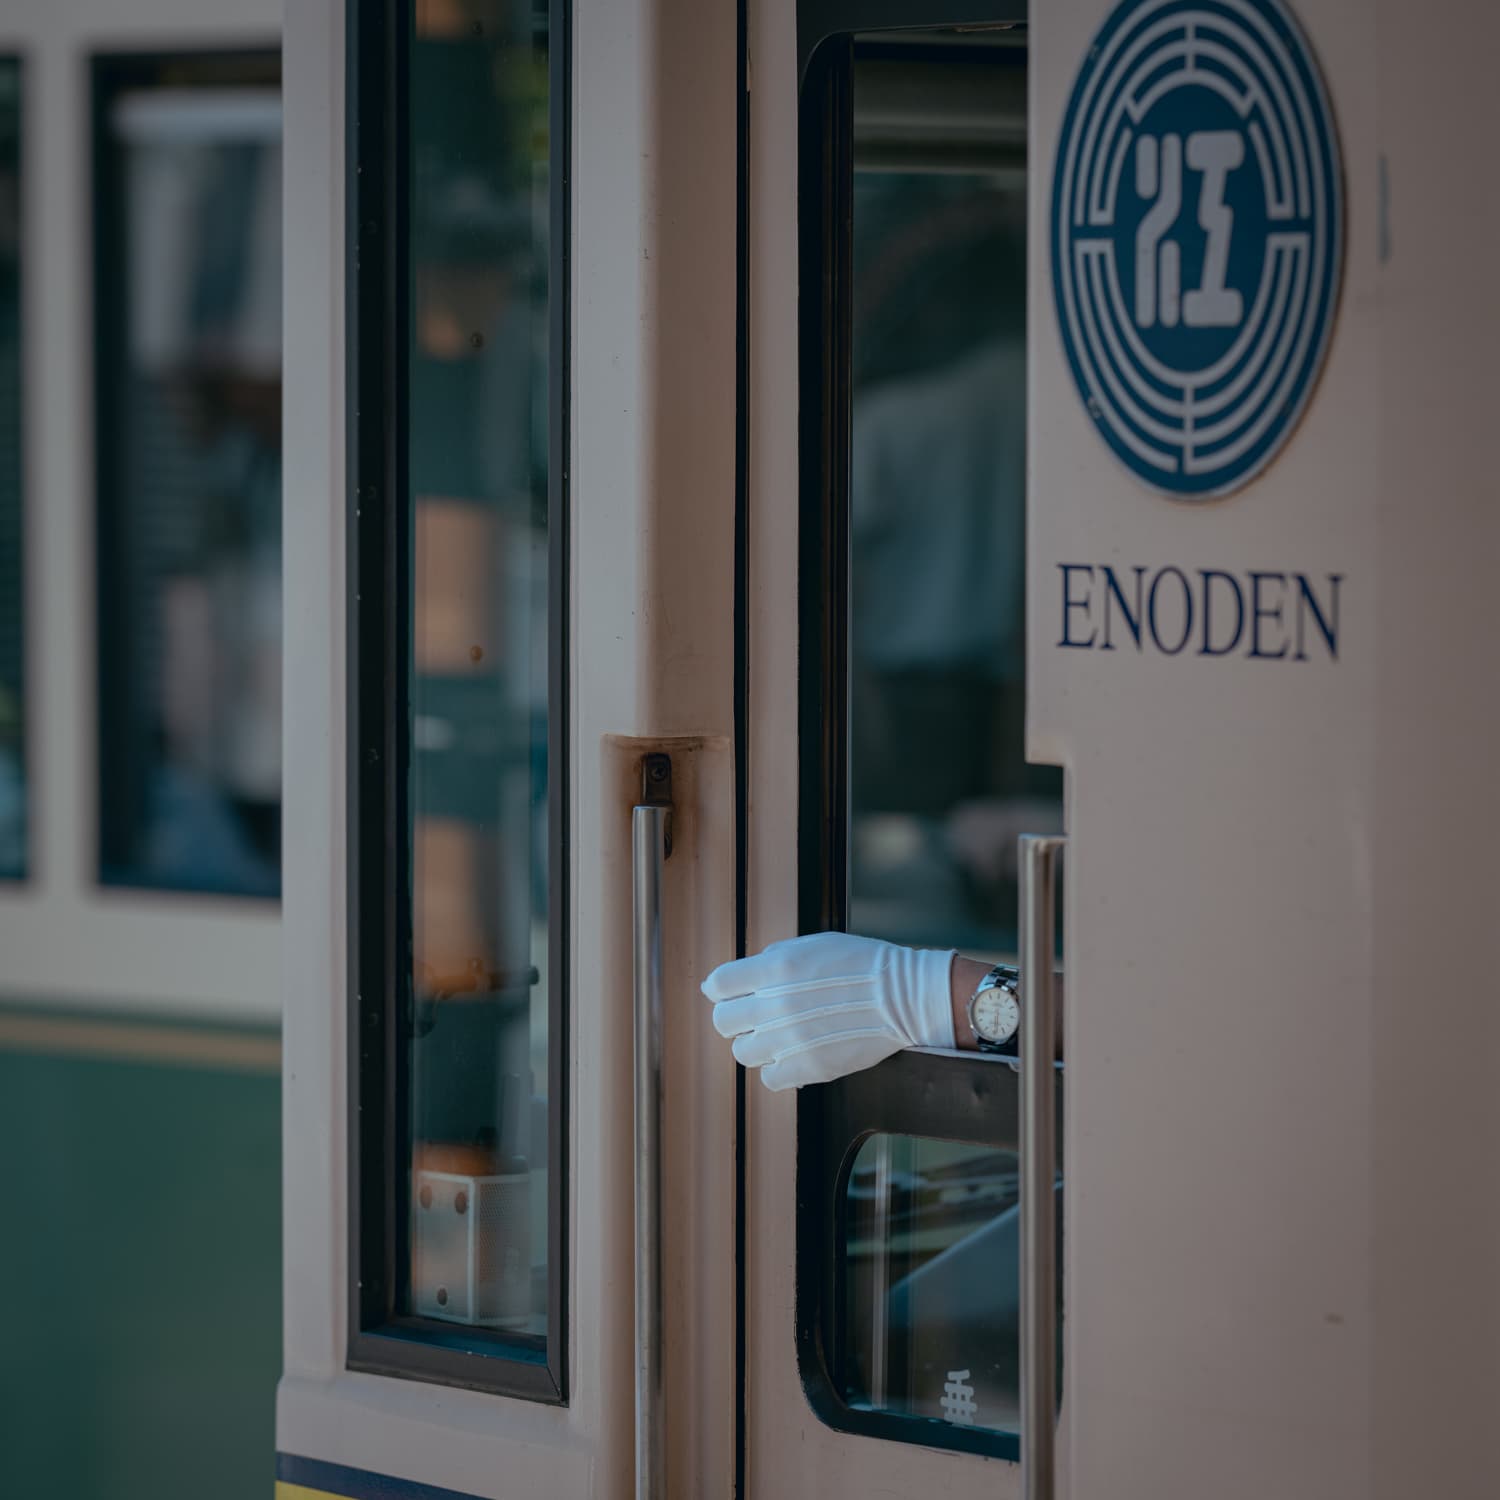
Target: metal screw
x=461, y=1202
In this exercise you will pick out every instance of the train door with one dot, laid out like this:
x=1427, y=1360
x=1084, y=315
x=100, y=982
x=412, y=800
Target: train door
x=511, y=300
x=889, y=189
x=1255, y=515
x=821, y=443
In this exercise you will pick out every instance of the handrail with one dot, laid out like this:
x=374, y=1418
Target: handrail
x=649, y=851
x=1038, y=1151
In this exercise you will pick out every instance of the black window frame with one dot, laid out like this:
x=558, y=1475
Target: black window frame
x=378, y=214
x=971, y=1100
x=118, y=771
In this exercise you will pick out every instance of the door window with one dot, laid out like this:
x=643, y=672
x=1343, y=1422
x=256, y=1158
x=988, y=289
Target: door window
x=459, y=649
x=916, y=787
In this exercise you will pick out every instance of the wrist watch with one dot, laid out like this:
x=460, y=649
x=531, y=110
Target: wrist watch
x=995, y=1011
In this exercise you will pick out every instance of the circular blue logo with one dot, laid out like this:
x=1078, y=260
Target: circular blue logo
x=1197, y=236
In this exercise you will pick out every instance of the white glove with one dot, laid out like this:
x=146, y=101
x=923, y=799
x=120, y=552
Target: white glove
x=814, y=1008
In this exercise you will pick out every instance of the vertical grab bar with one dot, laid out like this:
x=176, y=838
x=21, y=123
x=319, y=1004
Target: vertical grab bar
x=649, y=850
x=1038, y=1142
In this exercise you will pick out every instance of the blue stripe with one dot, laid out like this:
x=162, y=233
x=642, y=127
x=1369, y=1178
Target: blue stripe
x=355, y=1484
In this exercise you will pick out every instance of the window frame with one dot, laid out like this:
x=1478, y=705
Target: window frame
x=111, y=73
x=378, y=140
x=962, y=1099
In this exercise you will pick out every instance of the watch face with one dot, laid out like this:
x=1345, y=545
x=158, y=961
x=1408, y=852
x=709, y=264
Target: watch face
x=996, y=1015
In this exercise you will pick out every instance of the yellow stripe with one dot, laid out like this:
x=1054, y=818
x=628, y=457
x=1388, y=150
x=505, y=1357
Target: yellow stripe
x=286, y=1491
x=251, y=1052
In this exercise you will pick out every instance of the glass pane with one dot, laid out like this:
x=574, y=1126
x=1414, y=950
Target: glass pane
x=930, y=1282
x=188, y=308
x=12, y=573
x=926, y=1315
x=478, y=430
x=939, y=785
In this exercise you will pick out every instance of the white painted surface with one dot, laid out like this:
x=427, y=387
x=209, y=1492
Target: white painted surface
x=314, y=1103
x=62, y=937
x=1280, y=884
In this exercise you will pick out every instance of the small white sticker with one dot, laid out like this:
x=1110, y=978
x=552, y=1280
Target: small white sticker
x=958, y=1399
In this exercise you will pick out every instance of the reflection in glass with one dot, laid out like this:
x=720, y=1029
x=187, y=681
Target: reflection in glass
x=12, y=633
x=930, y=1282
x=476, y=1065
x=188, y=207
x=939, y=784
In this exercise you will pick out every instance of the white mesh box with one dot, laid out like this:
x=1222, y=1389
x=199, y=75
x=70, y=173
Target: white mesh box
x=471, y=1248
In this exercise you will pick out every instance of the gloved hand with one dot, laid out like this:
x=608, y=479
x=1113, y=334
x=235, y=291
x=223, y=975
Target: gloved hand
x=817, y=1007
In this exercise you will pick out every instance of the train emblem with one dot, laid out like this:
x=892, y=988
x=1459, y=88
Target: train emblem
x=1197, y=237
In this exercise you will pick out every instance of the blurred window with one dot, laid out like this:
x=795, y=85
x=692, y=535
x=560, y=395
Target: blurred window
x=13, y=788
x=460, y=416
x=939, y=786
x=187, y=199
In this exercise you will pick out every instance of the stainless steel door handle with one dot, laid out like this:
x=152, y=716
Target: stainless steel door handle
x=649, y=848
x=1038, y=1142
